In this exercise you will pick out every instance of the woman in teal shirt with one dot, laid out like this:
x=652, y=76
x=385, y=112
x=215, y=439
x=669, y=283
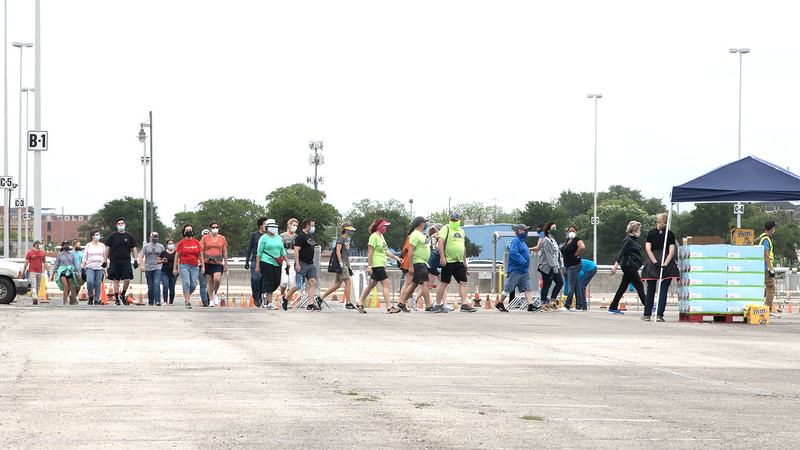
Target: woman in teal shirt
x=270, y=249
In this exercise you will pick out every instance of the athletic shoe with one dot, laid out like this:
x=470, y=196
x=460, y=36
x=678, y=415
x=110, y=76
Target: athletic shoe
x=447, y=308
x=574, y=309
x=659, y=318
x=774, y=316
x=563, y=308
x=116, y=302
x=434, y=309
x=403, y=307
x=284, y=303
x=313, y=307
x=349, y=306
x=188, y=306
x=615, y=311
x=533, y=308
x=646, y=318
x=467, y=308
x=318, y=301
x=216, y=301
x=440, y=308
x=35, y=301
x=271, y=307
x=413, y=303
x=500, y=307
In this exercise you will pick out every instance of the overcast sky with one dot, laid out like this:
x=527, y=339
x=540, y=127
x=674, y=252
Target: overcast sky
x=430, y=100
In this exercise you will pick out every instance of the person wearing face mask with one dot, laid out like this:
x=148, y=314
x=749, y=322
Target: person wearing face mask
x=270, y=250
x=550, y=267
x=629, y=260
x=250, y=256
x=215, y=252
x=168, y=279
x=418, y=254
x=453, y=262
x=289, y=278
x=65, y=271
x=652, y=270
x=35, y=263
x=94, y=265
x=148, y=259
x=304, y=264
x=572, y=250
x=377, y=252
x=342, y=251
x=519, y=276
x=119, y=246
x=188, y=262
x=75, y=289
x=433, y=260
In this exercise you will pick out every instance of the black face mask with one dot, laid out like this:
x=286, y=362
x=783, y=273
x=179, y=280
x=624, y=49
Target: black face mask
x=189, y=233
x=65, y=248
x=77, y=249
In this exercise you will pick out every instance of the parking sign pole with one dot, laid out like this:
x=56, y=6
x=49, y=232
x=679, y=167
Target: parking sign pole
x=37, y=124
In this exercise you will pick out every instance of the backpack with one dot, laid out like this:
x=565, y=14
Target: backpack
x=404, y=255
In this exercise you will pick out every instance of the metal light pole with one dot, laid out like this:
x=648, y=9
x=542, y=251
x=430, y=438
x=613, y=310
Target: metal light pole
x=37, y=124
x=6, y=242
x=27, y=167
x=411, y=207
x=142, y=136
x=145, y=161
x=740, y=51
x=595, y=219
x=20, y=45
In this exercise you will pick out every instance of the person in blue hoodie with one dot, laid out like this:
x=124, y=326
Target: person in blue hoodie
x=518, y=275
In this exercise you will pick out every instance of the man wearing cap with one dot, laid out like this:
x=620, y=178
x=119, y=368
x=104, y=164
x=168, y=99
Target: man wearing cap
x=304, y=263
x=453, y=260
x=119, y=246
x=35, y=261
x=519, y=277
x=341, y=251
x=148, y=260
x=765, y=240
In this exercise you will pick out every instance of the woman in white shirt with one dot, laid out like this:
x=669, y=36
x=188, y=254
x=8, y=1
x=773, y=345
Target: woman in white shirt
x=94, y=262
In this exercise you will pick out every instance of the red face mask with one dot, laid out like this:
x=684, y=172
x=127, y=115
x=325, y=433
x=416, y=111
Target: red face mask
x=382, y=230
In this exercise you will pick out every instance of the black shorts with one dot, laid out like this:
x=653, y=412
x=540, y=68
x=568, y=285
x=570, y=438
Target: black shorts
x=455, y=270
x=379, y=274
x=420, y=273
x=270, y=277
x=433, y=271
x=120, y=271
x=211, y=269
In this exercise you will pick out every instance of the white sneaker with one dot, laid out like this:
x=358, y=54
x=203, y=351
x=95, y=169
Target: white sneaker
x=774, y=316
x=574, y=309
x=271, y=307
x=447, y=308
x=563, y=308
x=216, y=300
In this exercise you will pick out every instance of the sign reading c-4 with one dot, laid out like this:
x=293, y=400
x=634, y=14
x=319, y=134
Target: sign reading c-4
x=37, y=141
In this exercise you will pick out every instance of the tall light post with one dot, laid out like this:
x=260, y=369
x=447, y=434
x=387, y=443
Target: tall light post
x=145, y=162
x=6, y=242
x=37, y=122
x=740, y=51
x=142, y=137
x=27, y=90
x=20, y=45
x=595, y=219
x=411, y=208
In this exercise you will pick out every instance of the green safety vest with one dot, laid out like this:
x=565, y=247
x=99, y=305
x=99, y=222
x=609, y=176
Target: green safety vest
x=761, y=243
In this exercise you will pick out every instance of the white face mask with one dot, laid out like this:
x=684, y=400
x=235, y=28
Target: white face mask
x=637, y=234
x=215, y=230
x=293, y=228
x=572, y=235
x=272, y=230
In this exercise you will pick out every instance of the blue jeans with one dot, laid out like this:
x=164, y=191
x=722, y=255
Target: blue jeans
x=547, y=280
x=662, y=296
x=255, y=282
x=203, y=289
x=189, y=277
x=94, y=283
x=572, y=281
x=583, y=283
x=168, y=281
x=153, y=286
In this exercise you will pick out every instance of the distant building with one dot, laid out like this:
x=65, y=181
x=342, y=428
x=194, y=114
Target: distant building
x=771, y=207
x=482, y=235
x=55, y=227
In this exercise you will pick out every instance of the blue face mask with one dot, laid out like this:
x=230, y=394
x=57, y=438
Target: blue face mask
x=425, y=228
x=523, y=236
x=312, y=229
x=121, y=228
x=349, y=233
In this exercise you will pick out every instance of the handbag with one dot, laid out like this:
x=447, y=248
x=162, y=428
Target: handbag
x=334, y=266
x=280, y=259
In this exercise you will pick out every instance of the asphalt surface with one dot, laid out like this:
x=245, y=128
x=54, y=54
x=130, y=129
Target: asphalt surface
x=146, y=377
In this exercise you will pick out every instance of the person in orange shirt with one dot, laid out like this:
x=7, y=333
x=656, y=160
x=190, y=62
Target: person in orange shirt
x=215, y=255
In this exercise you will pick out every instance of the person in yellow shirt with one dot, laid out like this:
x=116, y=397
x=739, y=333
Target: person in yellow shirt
x=377, y=252
x=453, y=261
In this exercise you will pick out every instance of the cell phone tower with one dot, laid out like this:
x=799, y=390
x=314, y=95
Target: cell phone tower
x=316, y=160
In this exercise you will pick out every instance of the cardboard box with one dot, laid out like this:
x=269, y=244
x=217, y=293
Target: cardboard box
x=756, y=314
x=702, y=240
x=742, y=236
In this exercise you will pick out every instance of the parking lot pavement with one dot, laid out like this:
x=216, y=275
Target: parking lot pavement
x=144, y=377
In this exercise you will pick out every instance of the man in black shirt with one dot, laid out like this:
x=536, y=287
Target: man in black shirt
x=118, y=252
x=304, y=263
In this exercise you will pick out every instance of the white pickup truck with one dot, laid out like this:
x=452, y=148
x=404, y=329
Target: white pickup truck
x=11, y=282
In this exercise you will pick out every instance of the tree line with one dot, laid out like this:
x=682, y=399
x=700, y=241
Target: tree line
x=615, y=207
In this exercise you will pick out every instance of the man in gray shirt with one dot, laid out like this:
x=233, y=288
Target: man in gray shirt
x=148, y=260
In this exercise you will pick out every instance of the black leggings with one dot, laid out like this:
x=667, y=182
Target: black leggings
x=630, y=275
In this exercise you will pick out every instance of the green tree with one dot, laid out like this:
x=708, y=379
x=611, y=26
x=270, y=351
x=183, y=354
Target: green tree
x=130, y=209
x=365, y=211
x=617, y=192
x=237, y=218
x=576, y=203
x=300, y=201
x=536, y=212
x=472, y=249
x=476, y=213
x=615, y=215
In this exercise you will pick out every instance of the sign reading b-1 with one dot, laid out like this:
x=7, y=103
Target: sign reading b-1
x=37, y=141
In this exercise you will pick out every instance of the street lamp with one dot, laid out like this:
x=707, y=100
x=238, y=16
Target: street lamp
x=595, y=219
x=27, y=90
x=20, y=46
x=142, y=137
x=145, y=162
x=411, y=207
x=740, y=51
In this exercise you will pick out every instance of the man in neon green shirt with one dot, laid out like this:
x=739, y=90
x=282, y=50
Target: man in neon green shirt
x=418, y=252
x=453, y=260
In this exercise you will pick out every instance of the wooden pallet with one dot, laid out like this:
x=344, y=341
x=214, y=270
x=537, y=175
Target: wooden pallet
x=715, y=317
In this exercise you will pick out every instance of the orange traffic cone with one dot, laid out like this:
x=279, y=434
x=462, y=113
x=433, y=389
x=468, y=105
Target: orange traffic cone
x=103, y=297
x=487, y=305
x=252, y=304
x=419, y=303
x=789, y=308
x=603, y=304
x=772, y=309
x=130, y=298
x=622, y=306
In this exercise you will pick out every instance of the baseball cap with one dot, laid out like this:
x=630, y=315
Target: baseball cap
x=154, y=234
x=522, y=226
x=418, y=220
x=455, y=216
x=205, y=232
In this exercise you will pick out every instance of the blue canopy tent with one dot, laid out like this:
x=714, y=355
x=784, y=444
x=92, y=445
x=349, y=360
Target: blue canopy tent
x=749, y=179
